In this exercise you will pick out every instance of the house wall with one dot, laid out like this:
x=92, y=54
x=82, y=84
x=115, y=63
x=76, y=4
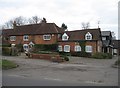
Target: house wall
x=19, y=40
x=72, y=45
x=39, y=39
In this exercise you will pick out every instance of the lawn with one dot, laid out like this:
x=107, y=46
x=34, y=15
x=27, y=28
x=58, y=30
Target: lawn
x=6, y=64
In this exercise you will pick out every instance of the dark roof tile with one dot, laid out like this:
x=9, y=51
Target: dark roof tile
x=80, y=34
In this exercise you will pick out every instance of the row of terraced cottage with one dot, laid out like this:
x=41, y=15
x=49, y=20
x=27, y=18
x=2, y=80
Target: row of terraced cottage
x=95, y=40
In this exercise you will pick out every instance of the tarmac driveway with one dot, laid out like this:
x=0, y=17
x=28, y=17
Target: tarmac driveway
x=77, y=70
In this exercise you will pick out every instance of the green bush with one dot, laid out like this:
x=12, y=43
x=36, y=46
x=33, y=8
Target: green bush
x=109, y=56
x=6, y=51
x=117, y=62
x=65, y=57
x=81, y=54
x=65, y=53
x=6, y=45
x=45, y=52
x=102, y=56
x=20, y=47
x=47, y=47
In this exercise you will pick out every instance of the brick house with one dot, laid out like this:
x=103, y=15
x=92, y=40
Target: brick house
x=50, y=33
x=116, y=47
x=28, y=35
x=72, y=41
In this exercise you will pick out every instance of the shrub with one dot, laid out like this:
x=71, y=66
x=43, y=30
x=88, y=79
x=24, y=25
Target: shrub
x=45, y=52
x=20, y=47
x=47, y=47
x=109, y=56
x=6, y=51
x=81, y=54
x=102, y=56
x=65, y=57
x=65, y=53
x=117, y=62
x=6, y=45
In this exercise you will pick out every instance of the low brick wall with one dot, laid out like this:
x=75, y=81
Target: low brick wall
x=54, y=58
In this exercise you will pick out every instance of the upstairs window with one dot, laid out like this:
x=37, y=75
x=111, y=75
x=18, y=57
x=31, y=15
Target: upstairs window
x=88, y=36
x=103, y=38
x=25, y=37
x=12, y=38
x=46, y=37
x=65, y=37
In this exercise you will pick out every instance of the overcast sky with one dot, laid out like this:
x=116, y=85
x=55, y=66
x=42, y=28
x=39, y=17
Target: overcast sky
x=70, y=12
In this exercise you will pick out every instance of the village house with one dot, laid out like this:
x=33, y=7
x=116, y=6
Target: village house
x=73, y=41
x=116, y=47
x=28, y=35
x=87, y=40
x=50, y=33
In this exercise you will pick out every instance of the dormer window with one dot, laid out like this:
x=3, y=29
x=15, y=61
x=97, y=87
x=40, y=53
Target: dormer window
x=88, y=36
x=65, y=37
x=25, y=37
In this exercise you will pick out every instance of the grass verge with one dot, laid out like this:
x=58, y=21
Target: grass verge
x=6, y=64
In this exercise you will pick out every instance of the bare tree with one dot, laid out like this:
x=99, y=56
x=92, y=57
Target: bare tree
x=9, y=24
x=85, y=25
x=113, y=35
x=19, y=21
x=34, y=20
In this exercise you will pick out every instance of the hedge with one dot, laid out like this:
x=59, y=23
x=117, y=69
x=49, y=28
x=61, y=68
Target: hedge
x=6, y=51
x=6, y=45
x=102, y=56
x=78, y=54
x=81, y=54
x=47, y=47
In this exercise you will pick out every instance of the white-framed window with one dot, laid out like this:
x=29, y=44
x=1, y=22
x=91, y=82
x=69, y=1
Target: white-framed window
x=88, y=36
x=67, y=48
x=65, y=37
x=12, y=38
x=77, y=48
x=25, y=46
x=115, y=51
x=88, y=48
x=60, y=48
x=103, y=38
x=25, y=37
x=46, y=37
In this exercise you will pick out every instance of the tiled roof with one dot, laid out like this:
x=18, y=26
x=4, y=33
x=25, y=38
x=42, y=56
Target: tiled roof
x=7, y=32
x=105, y=33
x=116, y=43
x=80, y=34
x=33, y=29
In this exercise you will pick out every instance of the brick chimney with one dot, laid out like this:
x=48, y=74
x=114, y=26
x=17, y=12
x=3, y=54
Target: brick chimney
x=14, y=25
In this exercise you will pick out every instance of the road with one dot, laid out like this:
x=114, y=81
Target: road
x=78, y=71
x=22, y=81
